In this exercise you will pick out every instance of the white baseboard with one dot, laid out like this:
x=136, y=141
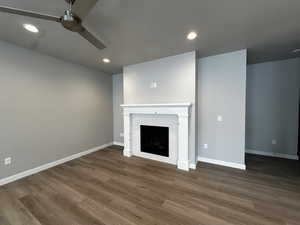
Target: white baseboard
x=183, y=165
x=118, y=143
x=272, y=154
x=193, y=166
x=222, y=163
x=49, y=165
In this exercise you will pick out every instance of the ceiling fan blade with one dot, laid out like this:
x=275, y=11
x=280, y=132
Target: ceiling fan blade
x=29, y=13
x=82, y=7
x=91, y=38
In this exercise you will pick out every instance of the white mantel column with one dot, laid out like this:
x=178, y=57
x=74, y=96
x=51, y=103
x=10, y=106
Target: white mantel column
x=183, y=142
x=127, y=148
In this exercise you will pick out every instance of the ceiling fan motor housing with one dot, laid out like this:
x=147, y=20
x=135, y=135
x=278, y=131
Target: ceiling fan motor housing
x=68, y=16
x=71, y=21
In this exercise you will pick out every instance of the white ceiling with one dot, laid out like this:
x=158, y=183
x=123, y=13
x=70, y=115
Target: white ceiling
x=141, y=30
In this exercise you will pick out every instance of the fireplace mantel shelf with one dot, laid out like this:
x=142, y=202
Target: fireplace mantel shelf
x=185, y=104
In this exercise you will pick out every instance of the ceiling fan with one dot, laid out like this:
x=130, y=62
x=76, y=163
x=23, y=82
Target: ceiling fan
x=71, y=20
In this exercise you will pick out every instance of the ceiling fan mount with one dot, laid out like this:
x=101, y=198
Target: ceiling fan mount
x=71, y=20
x=72, y=1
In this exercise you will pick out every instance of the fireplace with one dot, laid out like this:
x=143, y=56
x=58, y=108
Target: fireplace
x=155, y=140
x=158, y=132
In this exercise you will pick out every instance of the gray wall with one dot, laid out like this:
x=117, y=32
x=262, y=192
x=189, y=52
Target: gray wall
x=176, y=79
x=272, y=106
x=50, y=109
x=222, y=91
x=117, y=101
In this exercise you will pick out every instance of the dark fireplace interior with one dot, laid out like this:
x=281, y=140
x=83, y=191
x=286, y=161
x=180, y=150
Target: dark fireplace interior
x=155, y=140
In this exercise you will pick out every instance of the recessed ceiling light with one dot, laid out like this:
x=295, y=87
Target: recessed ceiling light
x=192, y=35
x=296, y=50
x=106, y=60
x=31, y=28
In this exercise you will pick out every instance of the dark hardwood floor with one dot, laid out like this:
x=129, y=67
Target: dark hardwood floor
x=107, y=188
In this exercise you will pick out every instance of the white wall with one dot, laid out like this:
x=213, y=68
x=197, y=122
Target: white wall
x=50, y=109
x=222, y=91
x=273, y=106
x=117, y=101
x=176, y=80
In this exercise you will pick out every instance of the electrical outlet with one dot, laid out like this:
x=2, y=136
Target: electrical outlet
x=153, y=84
x=274, y=142
x=205, y=146
x=219, y=118
x=7, y=161
x=121, y=134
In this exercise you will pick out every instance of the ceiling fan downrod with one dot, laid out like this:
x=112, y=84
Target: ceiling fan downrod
x=68, y=13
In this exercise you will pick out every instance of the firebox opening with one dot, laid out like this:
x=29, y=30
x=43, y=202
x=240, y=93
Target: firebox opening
x=155, y=140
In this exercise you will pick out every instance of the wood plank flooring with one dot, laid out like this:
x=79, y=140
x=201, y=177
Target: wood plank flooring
x=106, y=188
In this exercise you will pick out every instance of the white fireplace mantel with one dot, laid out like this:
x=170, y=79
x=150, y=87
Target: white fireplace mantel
x=182, y=110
